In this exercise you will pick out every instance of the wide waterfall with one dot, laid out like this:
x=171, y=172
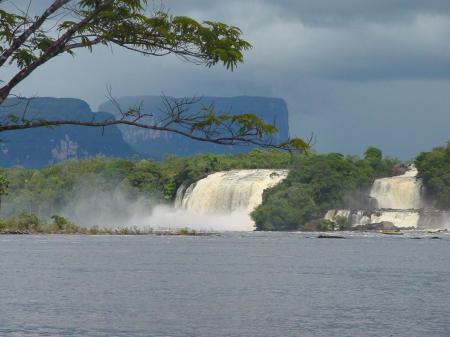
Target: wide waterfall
x=227, y=192
x=398, y=201
x=399, y=192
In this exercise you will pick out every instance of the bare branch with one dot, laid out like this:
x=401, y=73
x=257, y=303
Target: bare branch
x=231, y=140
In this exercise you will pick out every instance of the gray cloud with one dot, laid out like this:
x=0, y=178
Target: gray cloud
x=326, y=12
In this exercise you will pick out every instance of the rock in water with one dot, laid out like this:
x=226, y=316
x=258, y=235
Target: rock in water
x=383, y=225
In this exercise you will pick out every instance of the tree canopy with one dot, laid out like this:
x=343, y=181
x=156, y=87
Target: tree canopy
x=49, y=190
x=27, y=42
x=434, y=170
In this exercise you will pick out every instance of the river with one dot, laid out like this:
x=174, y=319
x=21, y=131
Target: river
x=235, y=284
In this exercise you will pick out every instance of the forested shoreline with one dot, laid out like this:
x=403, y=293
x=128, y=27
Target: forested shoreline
x=316, y=183
x=434, y=170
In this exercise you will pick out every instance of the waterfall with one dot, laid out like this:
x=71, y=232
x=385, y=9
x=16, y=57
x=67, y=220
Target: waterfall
x=399, y=192
x=230, y=191
x=398, y=201
x=224, y=200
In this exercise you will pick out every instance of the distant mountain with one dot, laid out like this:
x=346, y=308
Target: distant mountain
x=158, y=144
x=42, y=146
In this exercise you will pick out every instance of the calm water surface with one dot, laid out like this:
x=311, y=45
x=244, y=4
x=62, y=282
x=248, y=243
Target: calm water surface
x=255, y=284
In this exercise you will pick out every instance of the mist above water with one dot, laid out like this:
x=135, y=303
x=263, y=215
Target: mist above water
x=117, y=207
x=112, y=209
x=221, y=202
x=168, y=217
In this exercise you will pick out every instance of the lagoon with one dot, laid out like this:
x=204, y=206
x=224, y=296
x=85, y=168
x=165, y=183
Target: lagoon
x=236, y=284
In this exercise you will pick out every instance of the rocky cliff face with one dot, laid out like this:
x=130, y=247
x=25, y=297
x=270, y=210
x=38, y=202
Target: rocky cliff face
x=158, y=144
x=39, y=147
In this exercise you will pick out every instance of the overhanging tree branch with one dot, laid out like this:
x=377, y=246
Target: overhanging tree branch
x=248, y=138
x=177, y=116
x=31, y=42
x=18, y=41
x=57, y=47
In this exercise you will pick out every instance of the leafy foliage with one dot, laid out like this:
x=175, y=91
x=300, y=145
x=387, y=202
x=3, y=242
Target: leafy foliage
x=28, y=223
x=120, y=22
x=4, y=185
x=434, y=169
x=46, y=191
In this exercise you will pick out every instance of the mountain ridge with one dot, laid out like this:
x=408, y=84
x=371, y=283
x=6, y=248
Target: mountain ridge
x=39, y=147
x=158, y=144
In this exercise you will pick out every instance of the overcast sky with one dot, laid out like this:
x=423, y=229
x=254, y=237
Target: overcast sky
x=354, y=73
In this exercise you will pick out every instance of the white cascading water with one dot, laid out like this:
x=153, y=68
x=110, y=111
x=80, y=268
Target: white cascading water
x=398, y=201
x=224, y=200
x=230, y=192
x=399, y=192
x=401, y=219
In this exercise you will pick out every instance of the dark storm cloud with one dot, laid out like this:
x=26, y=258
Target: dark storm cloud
x=346, y=39
x=328, y=12
x=381, y=39
x=317, y=12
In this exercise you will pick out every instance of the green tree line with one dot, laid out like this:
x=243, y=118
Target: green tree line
x=317, y=183
x=434, y=170
x=46, y=191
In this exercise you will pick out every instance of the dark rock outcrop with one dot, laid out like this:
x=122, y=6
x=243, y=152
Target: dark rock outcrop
x=400, y=169
x=380, y=226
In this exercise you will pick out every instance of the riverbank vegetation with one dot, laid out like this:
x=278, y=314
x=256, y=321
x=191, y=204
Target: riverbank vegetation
x=49, y=190
x=26, y=223
x=434, y=170
x=317, y=183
